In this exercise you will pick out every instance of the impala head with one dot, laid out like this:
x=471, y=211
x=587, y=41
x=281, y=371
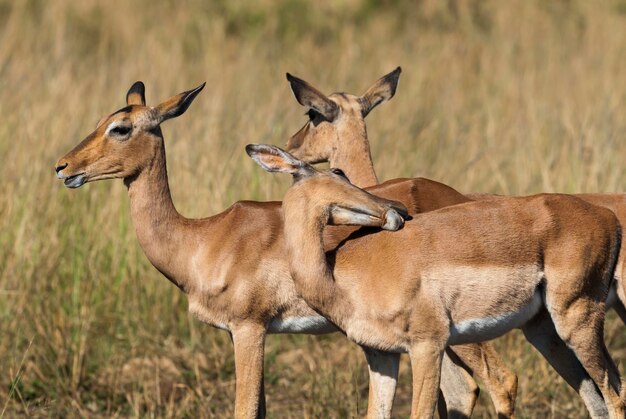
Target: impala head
x=329, y=192
x=329, y=115
x=124, y=142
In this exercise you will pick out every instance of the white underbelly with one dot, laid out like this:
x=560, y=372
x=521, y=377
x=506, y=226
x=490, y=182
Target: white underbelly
x=486, y=328
x=313, y=325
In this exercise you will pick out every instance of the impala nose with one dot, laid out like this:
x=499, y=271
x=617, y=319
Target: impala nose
x=60, y=167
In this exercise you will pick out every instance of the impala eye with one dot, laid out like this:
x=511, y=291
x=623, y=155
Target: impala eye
x=120, y=130
x=339, y=172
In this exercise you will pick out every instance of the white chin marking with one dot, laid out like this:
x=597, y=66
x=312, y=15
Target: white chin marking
x=310, y=325
x=486, y=328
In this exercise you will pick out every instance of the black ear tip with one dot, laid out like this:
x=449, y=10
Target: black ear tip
x=263, y=148
x=251, y=148
x=191, y=94
x=137, y=87
x=293, y=80
x=395, y=74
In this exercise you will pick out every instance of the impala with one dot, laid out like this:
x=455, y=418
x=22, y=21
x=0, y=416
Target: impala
x=466, y=273
x=336, y=132
x=232, y=266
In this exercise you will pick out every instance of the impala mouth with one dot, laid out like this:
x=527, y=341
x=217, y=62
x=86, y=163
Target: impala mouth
x=393, y=220
x=75, y=181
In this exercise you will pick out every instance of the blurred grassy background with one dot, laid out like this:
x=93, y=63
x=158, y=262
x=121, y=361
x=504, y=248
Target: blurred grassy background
x=509, y=97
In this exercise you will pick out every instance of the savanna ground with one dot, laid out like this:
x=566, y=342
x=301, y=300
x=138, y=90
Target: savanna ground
x=511, y=97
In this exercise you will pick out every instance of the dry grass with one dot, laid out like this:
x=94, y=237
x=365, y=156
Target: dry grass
x=510, y=97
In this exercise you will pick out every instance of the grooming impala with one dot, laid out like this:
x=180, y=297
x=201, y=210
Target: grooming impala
x=336, y=133
x=465, y=273
x=232, y=266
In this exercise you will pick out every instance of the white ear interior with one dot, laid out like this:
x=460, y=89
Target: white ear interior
x=268, y=162
x=274, y=159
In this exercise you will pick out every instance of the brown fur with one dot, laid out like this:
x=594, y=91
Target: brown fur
x=478, y=260
x=616, y=202
x=344, y=143
x=232, y=266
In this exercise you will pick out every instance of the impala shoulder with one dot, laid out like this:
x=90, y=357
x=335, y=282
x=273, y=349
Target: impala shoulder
x=432, y=195
x=433, y=184
x=389, y=183
x=254, y=208
x=558, y=200
x=255, y=223
x=396, y=189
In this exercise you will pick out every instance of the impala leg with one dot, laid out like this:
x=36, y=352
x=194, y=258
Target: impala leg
x=501, y=383
x=426, y=357
x=249, y=341
x=458, y=390
x=589, y=348
x=262, y=408
x=620, y=289
x=540, y=332
x=580, y=323
x=620, y=310
x=383, y=373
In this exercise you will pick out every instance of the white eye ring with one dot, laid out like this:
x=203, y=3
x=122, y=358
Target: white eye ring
x=121, y=128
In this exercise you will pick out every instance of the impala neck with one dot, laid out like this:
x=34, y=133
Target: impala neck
x=353, y=156
x=158, y=225
x=310, y=270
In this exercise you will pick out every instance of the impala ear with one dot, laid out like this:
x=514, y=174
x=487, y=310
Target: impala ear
x=382, y=90
x=177, y=105
x=309, y=96
x=136, y=94
x=273, y=159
